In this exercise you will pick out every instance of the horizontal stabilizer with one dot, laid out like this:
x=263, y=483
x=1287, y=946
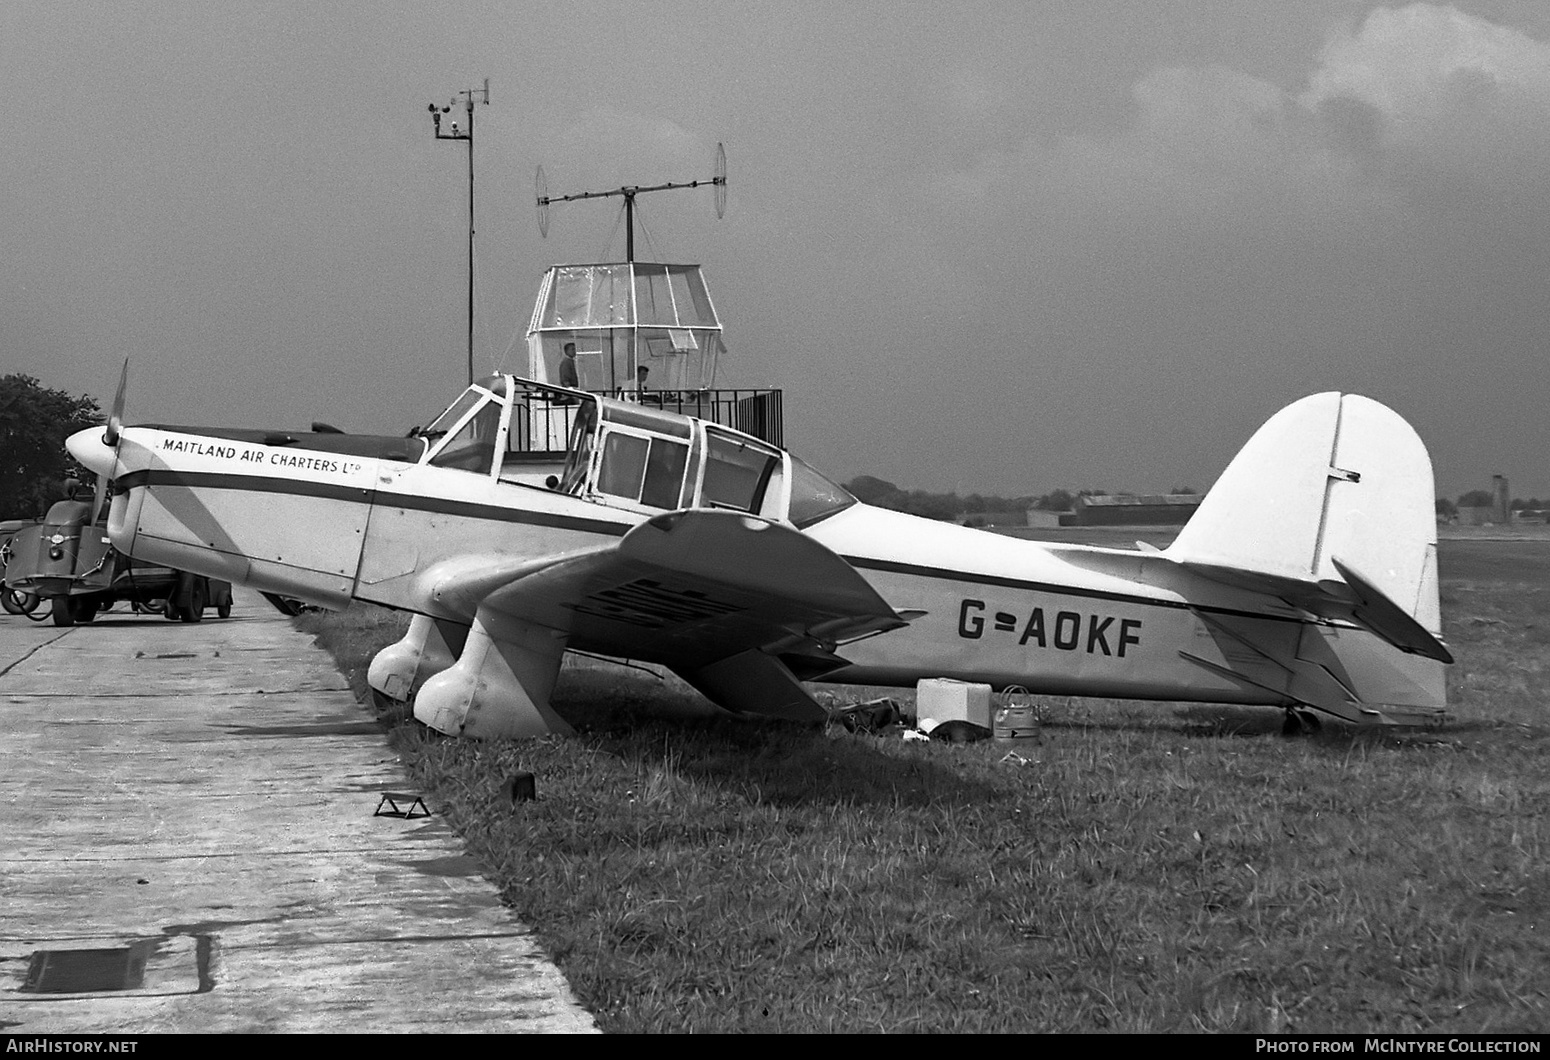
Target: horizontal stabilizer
x=1356, y=599
x=1376, y=612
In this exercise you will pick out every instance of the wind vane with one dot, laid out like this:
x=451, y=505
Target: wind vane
x=719, y=182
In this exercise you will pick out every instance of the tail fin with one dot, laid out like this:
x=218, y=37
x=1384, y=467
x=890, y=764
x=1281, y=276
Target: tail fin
x=1330, y=506
x=1331, y=477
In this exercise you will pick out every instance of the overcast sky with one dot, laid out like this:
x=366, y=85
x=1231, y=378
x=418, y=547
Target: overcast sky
x=996, y=247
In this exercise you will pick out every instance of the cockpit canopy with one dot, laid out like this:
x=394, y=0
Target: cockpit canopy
x=624, y=454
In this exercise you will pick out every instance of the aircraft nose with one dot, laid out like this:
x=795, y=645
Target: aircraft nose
x=88, y=447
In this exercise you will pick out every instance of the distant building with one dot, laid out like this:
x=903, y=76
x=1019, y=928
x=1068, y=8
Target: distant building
x=1503, y=506
x=988, y=519
x=1166, y=509
x=1497, y=513
x=1482, y=515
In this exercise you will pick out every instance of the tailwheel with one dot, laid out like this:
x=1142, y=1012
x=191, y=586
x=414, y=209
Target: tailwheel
x=1301, y=722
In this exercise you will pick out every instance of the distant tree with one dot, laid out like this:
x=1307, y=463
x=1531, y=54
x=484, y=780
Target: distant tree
x=869, y=490
x=34, y=422
x=933, y=505
x=1446, y=509
x=1055, y=501
x=1477, y=499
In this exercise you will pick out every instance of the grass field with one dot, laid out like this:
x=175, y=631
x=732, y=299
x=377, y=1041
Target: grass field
x=1144, y=867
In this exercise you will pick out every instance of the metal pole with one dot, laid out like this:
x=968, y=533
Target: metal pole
x=436, y=113
x=471, y=232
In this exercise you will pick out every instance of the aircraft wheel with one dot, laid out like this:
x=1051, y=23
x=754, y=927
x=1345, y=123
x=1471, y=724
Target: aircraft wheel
x=64, y=614
x=9, y=601
x=196, y=602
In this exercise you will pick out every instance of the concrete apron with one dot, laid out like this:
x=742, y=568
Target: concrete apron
x=193, y=806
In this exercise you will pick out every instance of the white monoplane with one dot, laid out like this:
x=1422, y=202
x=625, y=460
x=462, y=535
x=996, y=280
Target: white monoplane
x=1306, y=580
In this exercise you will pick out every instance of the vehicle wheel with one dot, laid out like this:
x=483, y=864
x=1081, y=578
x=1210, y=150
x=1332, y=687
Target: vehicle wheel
x=169, y=608
x=64, y=615
x=9, y=601
x=196, y=602
x=224, y=609
x=84, y=610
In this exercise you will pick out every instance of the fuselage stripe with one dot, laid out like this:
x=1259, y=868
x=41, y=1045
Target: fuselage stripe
x=948, y=574
x=329, y=491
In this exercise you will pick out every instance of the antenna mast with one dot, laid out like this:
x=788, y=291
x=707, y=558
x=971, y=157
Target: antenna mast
x=628, y=192
x=467, y=95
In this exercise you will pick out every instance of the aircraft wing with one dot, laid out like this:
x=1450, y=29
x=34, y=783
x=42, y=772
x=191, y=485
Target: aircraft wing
x=741, y=607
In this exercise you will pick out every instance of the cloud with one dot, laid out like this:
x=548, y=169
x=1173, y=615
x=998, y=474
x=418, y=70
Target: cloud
x=1409, y=98
x=1443, y=92
x=1383, y=225
x=1421, y=63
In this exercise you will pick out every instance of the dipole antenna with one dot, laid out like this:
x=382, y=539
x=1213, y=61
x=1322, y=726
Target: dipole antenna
x=467, y=95
x=628, y=193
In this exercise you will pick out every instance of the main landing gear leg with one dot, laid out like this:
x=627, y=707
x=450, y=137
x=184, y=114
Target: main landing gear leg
x=500, y=685
x=398, y=670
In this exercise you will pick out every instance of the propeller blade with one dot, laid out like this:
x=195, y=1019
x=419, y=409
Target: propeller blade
x=116, y=416
x=99, y=495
